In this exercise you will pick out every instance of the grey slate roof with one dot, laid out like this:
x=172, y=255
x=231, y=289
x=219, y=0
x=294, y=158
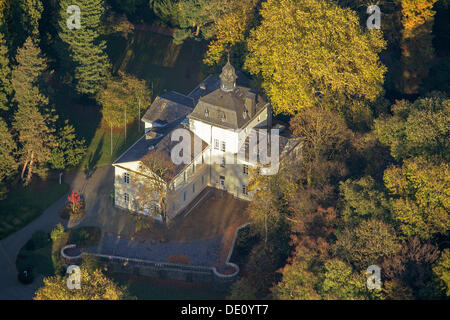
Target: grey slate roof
x=212, y=83
x=168, y=108
x=141, y=147
x=228, y=104
x=162, y=143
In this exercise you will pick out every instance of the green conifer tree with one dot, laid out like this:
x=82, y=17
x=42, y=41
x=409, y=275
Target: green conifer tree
x=82, y=50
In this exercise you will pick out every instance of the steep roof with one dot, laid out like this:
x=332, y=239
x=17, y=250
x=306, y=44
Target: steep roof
x=226, y=109
x=168, y=108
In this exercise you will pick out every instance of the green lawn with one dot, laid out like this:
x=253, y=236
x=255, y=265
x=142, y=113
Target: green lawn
x=25, y=204
x=36, y=255
x=157, y=289
x=99, y=150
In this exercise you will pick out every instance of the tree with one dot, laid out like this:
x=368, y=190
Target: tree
x=82, y=49
x=201, y=15
x=27, y=76
x=442, y=271
x=5, y=75
x=75, y=200
x=362, y=199
x=94, y=286
x=264, y=214
x=242, y=290
x=366, y=244
x=299, y=282
x=35, y=136
x=168, y=11
x=316, y=54
x=8, y=165
x=341, y=283
x=152, y=183
x=31, y=12
x=420, y=191
x=418, y=128
x=68, y=150
x=410, y=270
x=232, y=29
x=325, y=140
x=124, y=93
x=417, y=42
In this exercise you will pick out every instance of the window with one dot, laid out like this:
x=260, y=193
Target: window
x=126, y=178
x=193, y=168
x=184, y=196
x=222, y=162
x=223, y=146
x=193, y=188
x=216, y=144
x=244, y=190
x=245, y=169
x=126, y=198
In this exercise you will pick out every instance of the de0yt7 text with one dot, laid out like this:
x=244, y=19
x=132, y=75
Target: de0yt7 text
x=236, y=309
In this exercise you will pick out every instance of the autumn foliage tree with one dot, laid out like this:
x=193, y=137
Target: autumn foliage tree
x=123, y=94
x=152, y=184
x=94, y=286
x=315, y=53
x=75, y=200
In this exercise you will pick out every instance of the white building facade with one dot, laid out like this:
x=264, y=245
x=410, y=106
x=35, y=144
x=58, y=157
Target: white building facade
x=220, y=112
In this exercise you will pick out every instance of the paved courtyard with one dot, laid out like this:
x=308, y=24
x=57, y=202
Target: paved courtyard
x=200, y=253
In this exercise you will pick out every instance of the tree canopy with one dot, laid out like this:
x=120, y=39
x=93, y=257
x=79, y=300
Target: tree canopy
x=313, y=52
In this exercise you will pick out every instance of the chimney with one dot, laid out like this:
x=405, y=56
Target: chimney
x=269, y=117
x=250, y=104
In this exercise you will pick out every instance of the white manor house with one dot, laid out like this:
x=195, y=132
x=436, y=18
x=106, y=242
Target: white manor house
x=219, y=115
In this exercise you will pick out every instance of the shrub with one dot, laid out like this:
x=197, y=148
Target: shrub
x=86, y=236
x=57, y=233
x=38, y=240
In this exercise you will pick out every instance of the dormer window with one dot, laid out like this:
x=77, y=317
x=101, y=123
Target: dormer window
x=206, y=113
x=245, y=114
x=224, y=118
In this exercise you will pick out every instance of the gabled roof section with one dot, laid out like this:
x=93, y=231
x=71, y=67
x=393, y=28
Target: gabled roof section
x=169, y=107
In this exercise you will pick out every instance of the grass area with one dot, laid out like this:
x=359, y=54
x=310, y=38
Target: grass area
x=36, y=255
x=25, y=204
x=99, y=150
x=162, y=289
x=42, y=255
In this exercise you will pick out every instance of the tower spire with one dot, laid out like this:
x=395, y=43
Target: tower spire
x=228, y=77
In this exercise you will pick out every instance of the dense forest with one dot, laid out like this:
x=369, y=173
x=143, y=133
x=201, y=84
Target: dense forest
x=372, y=186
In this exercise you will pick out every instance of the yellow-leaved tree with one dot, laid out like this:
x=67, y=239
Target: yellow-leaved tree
x=94, y=285
x=313, y=52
